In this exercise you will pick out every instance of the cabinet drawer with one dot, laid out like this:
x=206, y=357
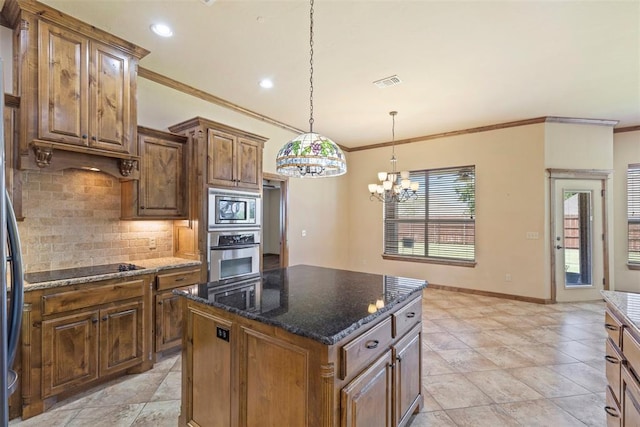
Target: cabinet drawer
x=612, y=368
x=613, y=410
x=91, y=296
x=366, y=347
x=406, y=317
x=631, y=351
x=630, y=395
x=174, y=280
x=613, y=327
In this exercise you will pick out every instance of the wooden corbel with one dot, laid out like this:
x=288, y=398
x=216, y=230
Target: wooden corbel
x=43, y=155
x=127, y=166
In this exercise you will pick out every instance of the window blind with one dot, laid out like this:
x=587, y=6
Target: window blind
x=440, y=222
x=633, y=212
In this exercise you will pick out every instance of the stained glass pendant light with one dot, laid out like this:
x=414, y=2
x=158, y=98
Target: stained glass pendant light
x=311, y=155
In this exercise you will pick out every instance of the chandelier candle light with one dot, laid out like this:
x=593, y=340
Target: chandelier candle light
x=393, y=186
x=311, y=155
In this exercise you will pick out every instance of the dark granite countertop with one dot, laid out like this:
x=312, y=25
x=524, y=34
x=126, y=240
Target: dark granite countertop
x=627, y=303
x=149, y=266
x=323, y=304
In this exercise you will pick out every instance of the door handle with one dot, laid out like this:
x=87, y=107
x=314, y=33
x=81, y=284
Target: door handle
x=558, y=247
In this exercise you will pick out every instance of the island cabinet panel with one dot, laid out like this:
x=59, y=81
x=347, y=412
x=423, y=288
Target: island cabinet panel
x=622, y=357
x=408, y=374
x=241, y=372
x=70, y=352
x=367, y=401
x=275, y=370
x=209, y=401
x=630, y=399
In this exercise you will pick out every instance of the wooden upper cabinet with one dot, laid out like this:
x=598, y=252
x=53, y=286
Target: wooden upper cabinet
x=85, y=91
x=77, y=87
x=248, y=164
x=233, y=161
x=162, y=189
x=221, y=149
x=64, y=86
x=233, y=156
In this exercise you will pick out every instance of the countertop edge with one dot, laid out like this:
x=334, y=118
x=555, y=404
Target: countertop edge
x=619, y=300
x=151, y=266
x=328, y=340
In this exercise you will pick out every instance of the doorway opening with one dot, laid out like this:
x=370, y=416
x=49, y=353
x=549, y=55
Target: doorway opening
x=275, y=252
x=579, y=254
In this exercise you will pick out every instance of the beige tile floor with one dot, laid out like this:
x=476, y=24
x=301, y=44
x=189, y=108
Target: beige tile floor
x=486, y=362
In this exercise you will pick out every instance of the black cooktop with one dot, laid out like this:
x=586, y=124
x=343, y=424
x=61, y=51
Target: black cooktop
x=71, y=273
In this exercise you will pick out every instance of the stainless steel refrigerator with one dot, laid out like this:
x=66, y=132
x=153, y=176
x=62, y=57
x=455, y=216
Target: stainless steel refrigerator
x=11, y=275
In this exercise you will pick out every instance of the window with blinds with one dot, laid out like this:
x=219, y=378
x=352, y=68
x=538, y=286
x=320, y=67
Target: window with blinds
x=633, y=212
x=440, y=222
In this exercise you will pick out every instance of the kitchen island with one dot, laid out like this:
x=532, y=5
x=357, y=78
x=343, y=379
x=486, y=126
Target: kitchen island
x=317, y=347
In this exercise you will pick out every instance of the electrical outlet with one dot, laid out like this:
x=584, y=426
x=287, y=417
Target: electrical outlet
x=532, y=235
x=304, y=233
x=507, y=277
x=152, y=243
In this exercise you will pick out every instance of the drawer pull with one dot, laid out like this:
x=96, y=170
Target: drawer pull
x=372, y=344
x=611, y=411
x=611, y=327
x=611, y=359
x=411, y=314
x=180, y=279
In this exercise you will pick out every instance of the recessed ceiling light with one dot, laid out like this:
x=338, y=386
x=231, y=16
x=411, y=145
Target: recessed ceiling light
x=266, y=84
x=162, y=30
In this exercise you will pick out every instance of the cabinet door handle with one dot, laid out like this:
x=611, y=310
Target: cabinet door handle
x=104, y=319
x=93, y=138
x=94, y=320
x=610, y=327
x=411, y=314
x=399, y=359
x=611, y=359
x=372, y=344
x=84, y=136
x=611, y=411
x=159, y=302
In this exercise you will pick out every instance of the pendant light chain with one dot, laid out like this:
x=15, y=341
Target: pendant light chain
x=393, y=141
x=311, y=69
x=309, y=154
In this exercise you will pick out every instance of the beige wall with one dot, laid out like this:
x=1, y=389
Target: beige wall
x=316, y=206
x=626, y=150
x=510, y=191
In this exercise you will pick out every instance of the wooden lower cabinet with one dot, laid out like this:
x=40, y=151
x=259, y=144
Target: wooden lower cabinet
x=367, y=400
x=168, y=312
x=76, y=336
x=69, y=352
x=622, y=368
x=630, y=397
x=241, y=372
x=121, y=337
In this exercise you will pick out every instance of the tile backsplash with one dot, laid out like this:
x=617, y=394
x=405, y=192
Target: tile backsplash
x=72, y=219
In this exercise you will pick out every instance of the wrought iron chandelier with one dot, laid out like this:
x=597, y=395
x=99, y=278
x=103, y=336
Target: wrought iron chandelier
x=311, y=155
x=394, y=187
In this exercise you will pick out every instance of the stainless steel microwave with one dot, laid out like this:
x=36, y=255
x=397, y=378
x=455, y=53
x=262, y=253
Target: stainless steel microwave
x=232, y=209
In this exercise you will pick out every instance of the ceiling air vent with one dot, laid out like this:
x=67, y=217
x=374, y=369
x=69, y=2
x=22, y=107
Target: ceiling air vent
x=388, y=81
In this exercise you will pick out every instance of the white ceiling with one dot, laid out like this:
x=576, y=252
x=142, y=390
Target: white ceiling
x=462, y=64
